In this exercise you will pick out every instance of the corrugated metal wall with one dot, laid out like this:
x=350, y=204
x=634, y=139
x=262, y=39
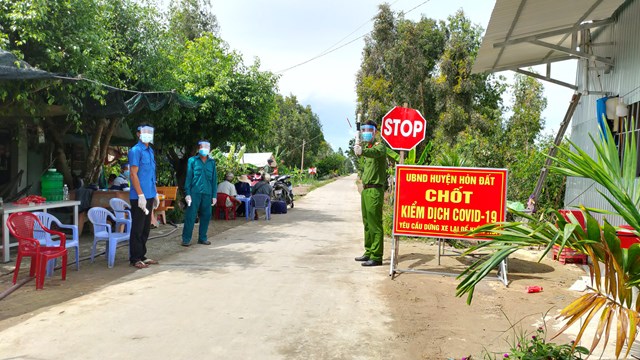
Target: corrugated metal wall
x=622, y=80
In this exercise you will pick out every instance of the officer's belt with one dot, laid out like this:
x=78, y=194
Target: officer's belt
x=369, y=186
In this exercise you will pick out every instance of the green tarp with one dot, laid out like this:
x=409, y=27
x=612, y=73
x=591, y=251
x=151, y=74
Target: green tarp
x=117, y=102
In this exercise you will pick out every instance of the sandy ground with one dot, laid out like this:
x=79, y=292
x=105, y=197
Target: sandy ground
x=426, y=320
x=431, y=323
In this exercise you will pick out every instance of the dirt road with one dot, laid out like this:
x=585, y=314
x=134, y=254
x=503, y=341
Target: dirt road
x=283, y=289
x=287, y=288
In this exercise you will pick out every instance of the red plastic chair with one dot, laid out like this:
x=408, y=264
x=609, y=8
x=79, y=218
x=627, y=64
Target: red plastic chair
x=21, y=226
x=221, y=207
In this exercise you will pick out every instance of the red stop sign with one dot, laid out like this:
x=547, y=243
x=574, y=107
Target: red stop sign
x=403, y=128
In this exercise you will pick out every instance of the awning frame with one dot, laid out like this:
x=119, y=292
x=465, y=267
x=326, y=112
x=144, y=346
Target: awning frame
x=568, y=42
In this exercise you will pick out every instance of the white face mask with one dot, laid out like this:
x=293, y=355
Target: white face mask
x=205, y=148
x=146, y=134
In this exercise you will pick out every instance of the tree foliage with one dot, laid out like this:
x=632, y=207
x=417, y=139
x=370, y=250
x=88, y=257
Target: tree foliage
x=292, y=125
x=129, y=44
x=427, y=64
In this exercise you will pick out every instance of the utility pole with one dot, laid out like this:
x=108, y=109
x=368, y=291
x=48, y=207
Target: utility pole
x=302, y=160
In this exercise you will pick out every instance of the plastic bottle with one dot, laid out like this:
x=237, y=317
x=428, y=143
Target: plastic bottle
x=51, y=185
x=65, y=192
x=534, y=289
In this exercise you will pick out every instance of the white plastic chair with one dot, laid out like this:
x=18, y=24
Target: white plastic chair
x=45, y=238
x=102, y=232
x=121, y=209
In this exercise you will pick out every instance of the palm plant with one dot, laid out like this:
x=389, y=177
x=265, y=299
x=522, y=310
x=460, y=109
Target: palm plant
x=616, y=272
x=412, y=158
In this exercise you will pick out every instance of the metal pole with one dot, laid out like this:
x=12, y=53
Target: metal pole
x=302, y=160
x=395, y=240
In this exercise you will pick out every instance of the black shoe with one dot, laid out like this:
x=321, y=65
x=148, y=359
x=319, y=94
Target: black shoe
x=362, y=258
x=372, y=263
x=185, y=244
x=204, y=242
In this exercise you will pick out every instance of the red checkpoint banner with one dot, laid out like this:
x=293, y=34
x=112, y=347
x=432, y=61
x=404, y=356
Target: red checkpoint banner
x=446, y=202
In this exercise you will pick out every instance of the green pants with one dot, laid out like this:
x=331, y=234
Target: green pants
x=371, y=202
x=200, y=205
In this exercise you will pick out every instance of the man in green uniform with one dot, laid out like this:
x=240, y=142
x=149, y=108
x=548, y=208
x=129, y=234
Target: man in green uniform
x=201, y=189
x=374, y=177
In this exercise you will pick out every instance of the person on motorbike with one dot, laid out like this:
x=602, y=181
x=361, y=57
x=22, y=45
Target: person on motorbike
x=271, y=167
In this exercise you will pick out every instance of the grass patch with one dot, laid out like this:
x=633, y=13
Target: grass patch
x=319, y=183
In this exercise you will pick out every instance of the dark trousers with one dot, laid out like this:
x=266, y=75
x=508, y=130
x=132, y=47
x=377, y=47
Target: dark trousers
x=140, y=226
x=372, y=200
x=200, y=206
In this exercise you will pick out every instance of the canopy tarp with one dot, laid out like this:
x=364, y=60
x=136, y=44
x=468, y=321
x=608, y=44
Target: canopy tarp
x=257, y=159
x=116, y=103
x=13, y=69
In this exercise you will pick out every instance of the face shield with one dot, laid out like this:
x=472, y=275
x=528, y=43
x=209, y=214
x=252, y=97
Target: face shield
x=146, y=134
x=204, y=147
x=367, y=132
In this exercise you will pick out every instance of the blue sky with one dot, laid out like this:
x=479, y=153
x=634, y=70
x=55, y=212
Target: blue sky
x=284, y=33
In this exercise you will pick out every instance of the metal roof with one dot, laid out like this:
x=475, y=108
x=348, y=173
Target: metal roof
x=524, y=33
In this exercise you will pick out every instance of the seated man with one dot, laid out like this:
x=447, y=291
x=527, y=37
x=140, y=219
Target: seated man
x=122, y=181
x=226, y=187
x=243, y=187
x=262, y=187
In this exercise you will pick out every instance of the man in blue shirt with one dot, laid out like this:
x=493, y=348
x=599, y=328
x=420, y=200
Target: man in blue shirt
x=122, y=181
x=201, y=189
x=142, y=165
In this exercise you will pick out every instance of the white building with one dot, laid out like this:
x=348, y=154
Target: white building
x=602, y=35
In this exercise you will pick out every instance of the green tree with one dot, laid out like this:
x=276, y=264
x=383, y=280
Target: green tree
x=427, y=64
x=91, y=38
x=523, y=149
x=523, y=127
x=331, y=165
x=191, y=19
x=237, y=101
x=293, y=125
x=465, y=100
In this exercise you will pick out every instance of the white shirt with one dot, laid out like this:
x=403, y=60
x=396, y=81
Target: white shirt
x=228, y=188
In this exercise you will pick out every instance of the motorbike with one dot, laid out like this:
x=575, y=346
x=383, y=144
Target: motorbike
x=282, y=189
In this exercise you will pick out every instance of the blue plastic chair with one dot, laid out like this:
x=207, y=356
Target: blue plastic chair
x=262, y=202
x=102, y=232
x=45, y=238
x=121, y=209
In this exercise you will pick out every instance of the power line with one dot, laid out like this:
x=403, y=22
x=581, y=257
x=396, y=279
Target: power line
x=321, y=55
x=332, y=48
x=351, y=33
